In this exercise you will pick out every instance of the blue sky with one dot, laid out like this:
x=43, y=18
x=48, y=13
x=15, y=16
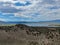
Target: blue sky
x=29, y=10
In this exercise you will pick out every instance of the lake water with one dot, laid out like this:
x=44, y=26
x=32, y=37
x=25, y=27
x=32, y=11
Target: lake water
x=44, y=24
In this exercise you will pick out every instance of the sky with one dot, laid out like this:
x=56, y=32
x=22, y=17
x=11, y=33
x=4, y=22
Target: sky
x=29, y=10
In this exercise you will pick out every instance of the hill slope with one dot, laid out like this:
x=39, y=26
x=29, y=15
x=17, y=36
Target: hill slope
x=24, y=35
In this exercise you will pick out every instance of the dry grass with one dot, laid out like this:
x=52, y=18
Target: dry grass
x=24, y=35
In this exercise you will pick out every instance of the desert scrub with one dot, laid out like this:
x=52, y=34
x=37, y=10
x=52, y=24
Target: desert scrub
x=33, y=43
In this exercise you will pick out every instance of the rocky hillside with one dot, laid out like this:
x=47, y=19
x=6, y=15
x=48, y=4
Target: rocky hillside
x=20, y=34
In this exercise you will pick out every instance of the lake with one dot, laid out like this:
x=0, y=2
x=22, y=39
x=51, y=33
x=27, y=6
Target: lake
x=43, y=24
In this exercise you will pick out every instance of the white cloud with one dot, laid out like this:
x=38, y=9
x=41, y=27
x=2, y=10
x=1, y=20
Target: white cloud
x=1, y=19
x=41, y=7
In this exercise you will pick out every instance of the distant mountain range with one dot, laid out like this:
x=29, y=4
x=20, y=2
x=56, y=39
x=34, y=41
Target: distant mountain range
x=51, y=21
x=3, y=22
x=55, y=21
